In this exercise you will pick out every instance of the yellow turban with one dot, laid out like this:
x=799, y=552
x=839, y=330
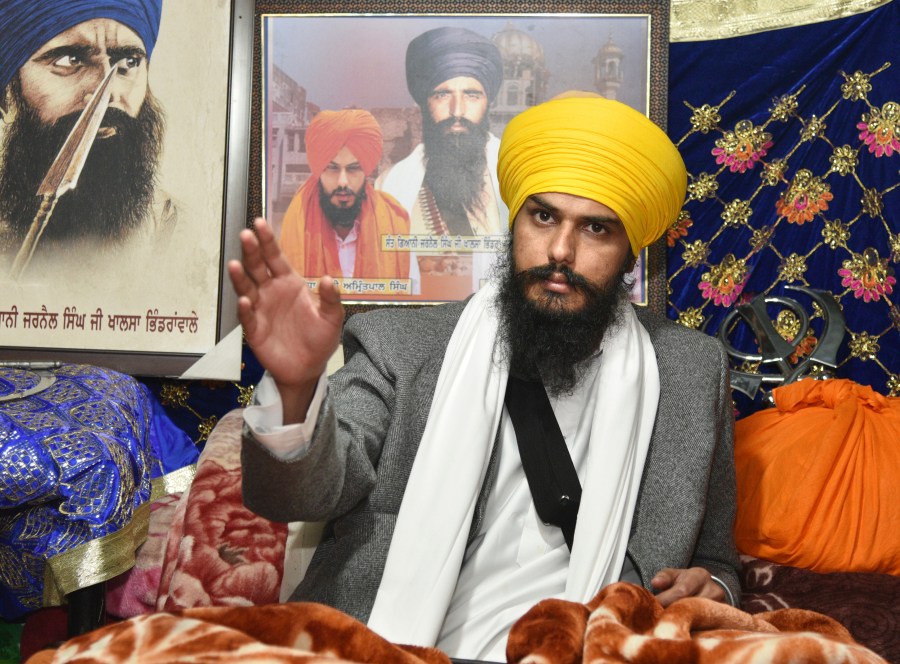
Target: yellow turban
x=582, y=144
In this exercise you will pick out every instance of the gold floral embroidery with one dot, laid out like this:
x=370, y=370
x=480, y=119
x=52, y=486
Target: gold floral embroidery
x=691, y=317
x=792, y=268
x=835, y=234
x=702, y=187
x=863, y=346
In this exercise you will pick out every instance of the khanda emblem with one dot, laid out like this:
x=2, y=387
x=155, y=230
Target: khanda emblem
x=774, y=352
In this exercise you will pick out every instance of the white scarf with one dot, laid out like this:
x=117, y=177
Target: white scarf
x=435, y=516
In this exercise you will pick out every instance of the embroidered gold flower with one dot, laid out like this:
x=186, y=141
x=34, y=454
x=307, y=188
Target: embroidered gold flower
x=872, y=203
x=893, y=385
x=773, y=172
x=844, y=160
x=206, y=426
x=761, y=237
x=174, y=395
x=737, y=212
x=679, y=228
x=814, y=128
x=695, y=253
x=785, y=106
x=863, y=346
x=691, y=317
x=835, y=234
x=880, y=130
x=856, y=86
x=806, y=196
x=787, y=324
x=702, y=187
x=868, y=276
x=245, y=394
x=724, y=282
x=792, y=268
x=742, y=148
x=705, y=119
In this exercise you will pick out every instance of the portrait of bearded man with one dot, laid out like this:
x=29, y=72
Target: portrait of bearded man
x=448, y=182
x=50, y=68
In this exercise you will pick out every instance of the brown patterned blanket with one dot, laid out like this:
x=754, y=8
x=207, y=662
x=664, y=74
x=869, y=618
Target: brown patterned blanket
x=624, y=623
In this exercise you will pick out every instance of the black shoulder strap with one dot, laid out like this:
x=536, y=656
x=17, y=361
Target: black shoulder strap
x=548, y=465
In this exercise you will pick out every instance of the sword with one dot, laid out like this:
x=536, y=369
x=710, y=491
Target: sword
x=65, y=169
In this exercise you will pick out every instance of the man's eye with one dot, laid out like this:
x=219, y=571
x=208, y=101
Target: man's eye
x=543, y=215
x=354, y=169
x=596, y=228
x=332, y=168
x=475, y=96
x=133, y=62
x=68, y=61
x=440, y=94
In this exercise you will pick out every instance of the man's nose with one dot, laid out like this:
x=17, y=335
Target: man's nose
x=118, y=87
x=343, y=180
x=458, y=105
x=561, y=249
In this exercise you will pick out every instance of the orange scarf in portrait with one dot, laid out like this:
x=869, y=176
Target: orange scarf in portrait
x=310, y=244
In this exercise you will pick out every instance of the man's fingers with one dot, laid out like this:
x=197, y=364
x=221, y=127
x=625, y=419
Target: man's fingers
x=271, y=251
x=252, y=258
x=330, y=297
x=243, y=285
x=247, y=318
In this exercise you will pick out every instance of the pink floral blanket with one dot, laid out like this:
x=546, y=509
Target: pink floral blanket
x=205, y=548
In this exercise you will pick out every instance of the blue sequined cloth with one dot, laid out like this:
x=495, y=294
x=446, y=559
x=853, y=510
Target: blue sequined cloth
x=76, y=461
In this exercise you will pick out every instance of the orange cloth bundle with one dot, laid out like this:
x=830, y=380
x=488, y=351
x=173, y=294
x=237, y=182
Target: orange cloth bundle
x=818, y=479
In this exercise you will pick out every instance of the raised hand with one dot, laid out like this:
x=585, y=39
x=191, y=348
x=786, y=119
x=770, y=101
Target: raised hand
x=292, y=331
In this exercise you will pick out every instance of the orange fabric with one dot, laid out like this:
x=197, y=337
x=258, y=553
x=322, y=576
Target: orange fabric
x=818, y=479
x=310, y=244
x=329, y=131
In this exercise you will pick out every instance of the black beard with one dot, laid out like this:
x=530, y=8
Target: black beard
x=341, y=217
x=542, y=342
x=115, y=189
x=455, y=163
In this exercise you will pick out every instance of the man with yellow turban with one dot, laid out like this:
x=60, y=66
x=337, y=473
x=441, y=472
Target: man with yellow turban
x=542, y=439
x=335, y=222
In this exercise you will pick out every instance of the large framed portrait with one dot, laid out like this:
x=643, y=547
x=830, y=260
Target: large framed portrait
x=421, y=220
x=123, y=182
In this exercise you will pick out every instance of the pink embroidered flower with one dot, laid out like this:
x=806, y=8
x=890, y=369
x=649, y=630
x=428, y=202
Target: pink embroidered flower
x=742, y=148
x=868, y=276
x=880, y=130
x=724, y=282
x=806, y=197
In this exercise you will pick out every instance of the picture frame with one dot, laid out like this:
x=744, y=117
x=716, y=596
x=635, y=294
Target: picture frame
x=164, y=310
x=311, y=49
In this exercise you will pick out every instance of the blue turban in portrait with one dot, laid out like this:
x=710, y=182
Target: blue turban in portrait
x=444, y=53
x=26, y=25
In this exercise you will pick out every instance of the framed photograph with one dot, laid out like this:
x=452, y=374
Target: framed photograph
x=322, y=69
x=118, y=219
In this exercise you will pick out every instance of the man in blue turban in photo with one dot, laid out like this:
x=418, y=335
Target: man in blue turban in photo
x=448, y=183
x=53, y=56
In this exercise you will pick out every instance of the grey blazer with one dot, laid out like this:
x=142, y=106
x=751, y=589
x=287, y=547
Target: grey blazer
x=355, y=472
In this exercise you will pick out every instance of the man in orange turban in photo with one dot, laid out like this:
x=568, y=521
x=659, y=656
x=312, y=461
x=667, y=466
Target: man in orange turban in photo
x=336, y=220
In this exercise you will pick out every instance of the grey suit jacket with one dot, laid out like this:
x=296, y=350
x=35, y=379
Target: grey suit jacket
x=370, y=425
